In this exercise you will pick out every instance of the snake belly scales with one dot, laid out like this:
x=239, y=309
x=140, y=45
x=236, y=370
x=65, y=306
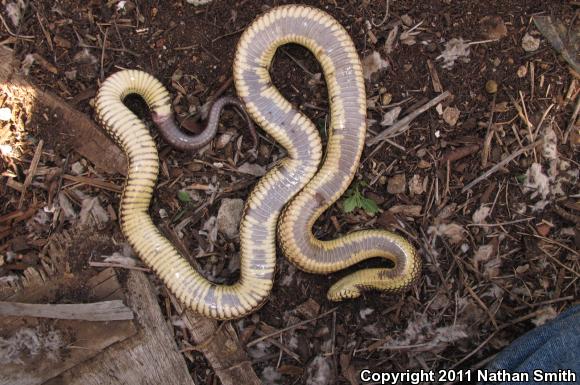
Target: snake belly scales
x=286, y=202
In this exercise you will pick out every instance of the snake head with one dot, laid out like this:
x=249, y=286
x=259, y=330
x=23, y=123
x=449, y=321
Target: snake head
x=343, y=289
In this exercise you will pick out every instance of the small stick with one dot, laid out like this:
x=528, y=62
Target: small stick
x=274, y=334
x=118, y=265
x=572, y=122
x=25, y=37
x=402, y=123
x=94, y=182
x=488, y=135
x=437, y=87
x=505, y=161
x=31, y=171
x=45, y=32
x=499, y=224
x=459, y=153
x=102, y=70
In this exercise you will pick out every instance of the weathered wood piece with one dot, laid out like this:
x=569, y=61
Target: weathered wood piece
x=34, y=350
x=148, y=358
x=99, y=311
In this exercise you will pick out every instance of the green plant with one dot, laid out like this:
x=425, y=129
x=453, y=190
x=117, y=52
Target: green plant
x=355, y=199
x=187, y=203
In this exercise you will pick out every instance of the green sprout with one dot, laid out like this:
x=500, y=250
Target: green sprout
x=355, y=199
x=187, y=203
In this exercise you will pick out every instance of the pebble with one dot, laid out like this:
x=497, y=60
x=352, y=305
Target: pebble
x=522, y=71
x=451, y=115
x=491, y=87
x=229, y=216
x=530, y=43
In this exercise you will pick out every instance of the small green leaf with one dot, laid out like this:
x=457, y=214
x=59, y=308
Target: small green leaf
x=350, y=203
x=369, y=205
x=183, y=196
x=521, y=178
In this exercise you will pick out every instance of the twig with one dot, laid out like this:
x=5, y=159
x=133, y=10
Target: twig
x=572, y=122
x=83, y=45
x=296, y=325
x=384, y=17
x=488, y=135
x=500, y=328
x=94, y=182
x=102, y=69
x=99, y=311
x=25, y=37
x=499, y=224
x=548, y=302
x=404, y=122
x=31, y=171
x=505, y=161
x=45, y=32
x=437, y=87
x=228, y=34
x=298, y=63
x=118, y=265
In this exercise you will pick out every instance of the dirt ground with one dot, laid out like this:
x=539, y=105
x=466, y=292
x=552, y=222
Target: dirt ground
x=500, y=257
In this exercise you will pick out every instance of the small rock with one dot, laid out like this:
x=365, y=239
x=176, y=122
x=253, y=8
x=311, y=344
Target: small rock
x=396, y=184
x=5, y=114
x=386, y=99
x=522, y=269
x=416, y=185
x=229, y=216
x=77, y=168
x=491, y=87
x=252, y=169
x=530, y=43
x=493, y=27
x=451, y=115
x=423, y=164
x=522, y=71
x=407, y=20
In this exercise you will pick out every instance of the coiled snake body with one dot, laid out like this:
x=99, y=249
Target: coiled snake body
x=294, y=179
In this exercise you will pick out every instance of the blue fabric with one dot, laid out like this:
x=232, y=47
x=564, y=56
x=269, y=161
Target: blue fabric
x=553, y=347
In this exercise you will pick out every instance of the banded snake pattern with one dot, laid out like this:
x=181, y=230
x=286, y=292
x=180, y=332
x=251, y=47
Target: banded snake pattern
x=286, y=202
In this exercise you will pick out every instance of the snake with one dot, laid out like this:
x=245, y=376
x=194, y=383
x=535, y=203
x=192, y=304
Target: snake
x=285, y=203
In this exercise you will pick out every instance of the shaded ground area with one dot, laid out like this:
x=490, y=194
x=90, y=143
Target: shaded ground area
x=499, y=257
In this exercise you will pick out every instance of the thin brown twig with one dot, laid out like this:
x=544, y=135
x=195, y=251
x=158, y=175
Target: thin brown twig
x=24, y=37
x=401, y=124
x=505, y=161
x=31, y=171
x=291, y=327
